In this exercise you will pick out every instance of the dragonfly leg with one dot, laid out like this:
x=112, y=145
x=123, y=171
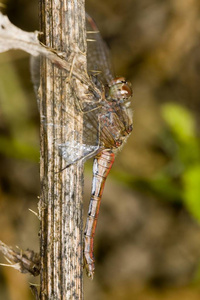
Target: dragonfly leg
x=88, y=103
x=101, y=168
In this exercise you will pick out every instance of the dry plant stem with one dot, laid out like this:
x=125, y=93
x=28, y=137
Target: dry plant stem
x=23, y=261
x=63, y=25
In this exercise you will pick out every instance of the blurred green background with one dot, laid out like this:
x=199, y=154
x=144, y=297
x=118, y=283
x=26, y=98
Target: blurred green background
x=147, y=245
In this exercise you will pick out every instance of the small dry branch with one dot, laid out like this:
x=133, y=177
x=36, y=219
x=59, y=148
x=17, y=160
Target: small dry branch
x=24, y=261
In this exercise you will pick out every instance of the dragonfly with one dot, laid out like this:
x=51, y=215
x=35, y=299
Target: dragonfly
x=107, y=125
x=113, y=122
x=107, y=120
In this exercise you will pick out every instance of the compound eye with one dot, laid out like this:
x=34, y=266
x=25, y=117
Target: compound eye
x=126, y=90
x=118, y=80
x=120, y=89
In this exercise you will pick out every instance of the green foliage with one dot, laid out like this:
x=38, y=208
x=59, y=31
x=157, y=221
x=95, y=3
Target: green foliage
x=185, y=160
x=14, y=148
x=182, y=125
x=179, y=180
x=191, y=189
x=180, y=121
x=19, y=136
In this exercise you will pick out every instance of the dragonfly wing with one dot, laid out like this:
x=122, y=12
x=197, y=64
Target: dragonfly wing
x=99, y=63
x=80, y=145
x=73, y=152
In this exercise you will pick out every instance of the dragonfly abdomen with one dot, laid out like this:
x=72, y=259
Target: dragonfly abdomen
x=101, y=168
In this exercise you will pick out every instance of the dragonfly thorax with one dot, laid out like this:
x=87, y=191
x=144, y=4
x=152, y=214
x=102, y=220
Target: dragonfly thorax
x=116, y=124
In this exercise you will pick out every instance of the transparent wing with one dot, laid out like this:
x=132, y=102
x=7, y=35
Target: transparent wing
x=73, y=152
x=81, y=146
x=99, y=63
x=75, y=148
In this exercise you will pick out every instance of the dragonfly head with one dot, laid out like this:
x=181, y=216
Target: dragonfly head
x=120, y=89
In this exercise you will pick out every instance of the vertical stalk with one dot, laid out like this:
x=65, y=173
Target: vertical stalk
x=63, y=27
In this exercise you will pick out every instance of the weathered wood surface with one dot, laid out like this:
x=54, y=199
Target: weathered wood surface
x=63, y=25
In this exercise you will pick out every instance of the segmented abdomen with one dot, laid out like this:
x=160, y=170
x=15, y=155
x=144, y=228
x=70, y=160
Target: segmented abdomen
x=101, y=168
